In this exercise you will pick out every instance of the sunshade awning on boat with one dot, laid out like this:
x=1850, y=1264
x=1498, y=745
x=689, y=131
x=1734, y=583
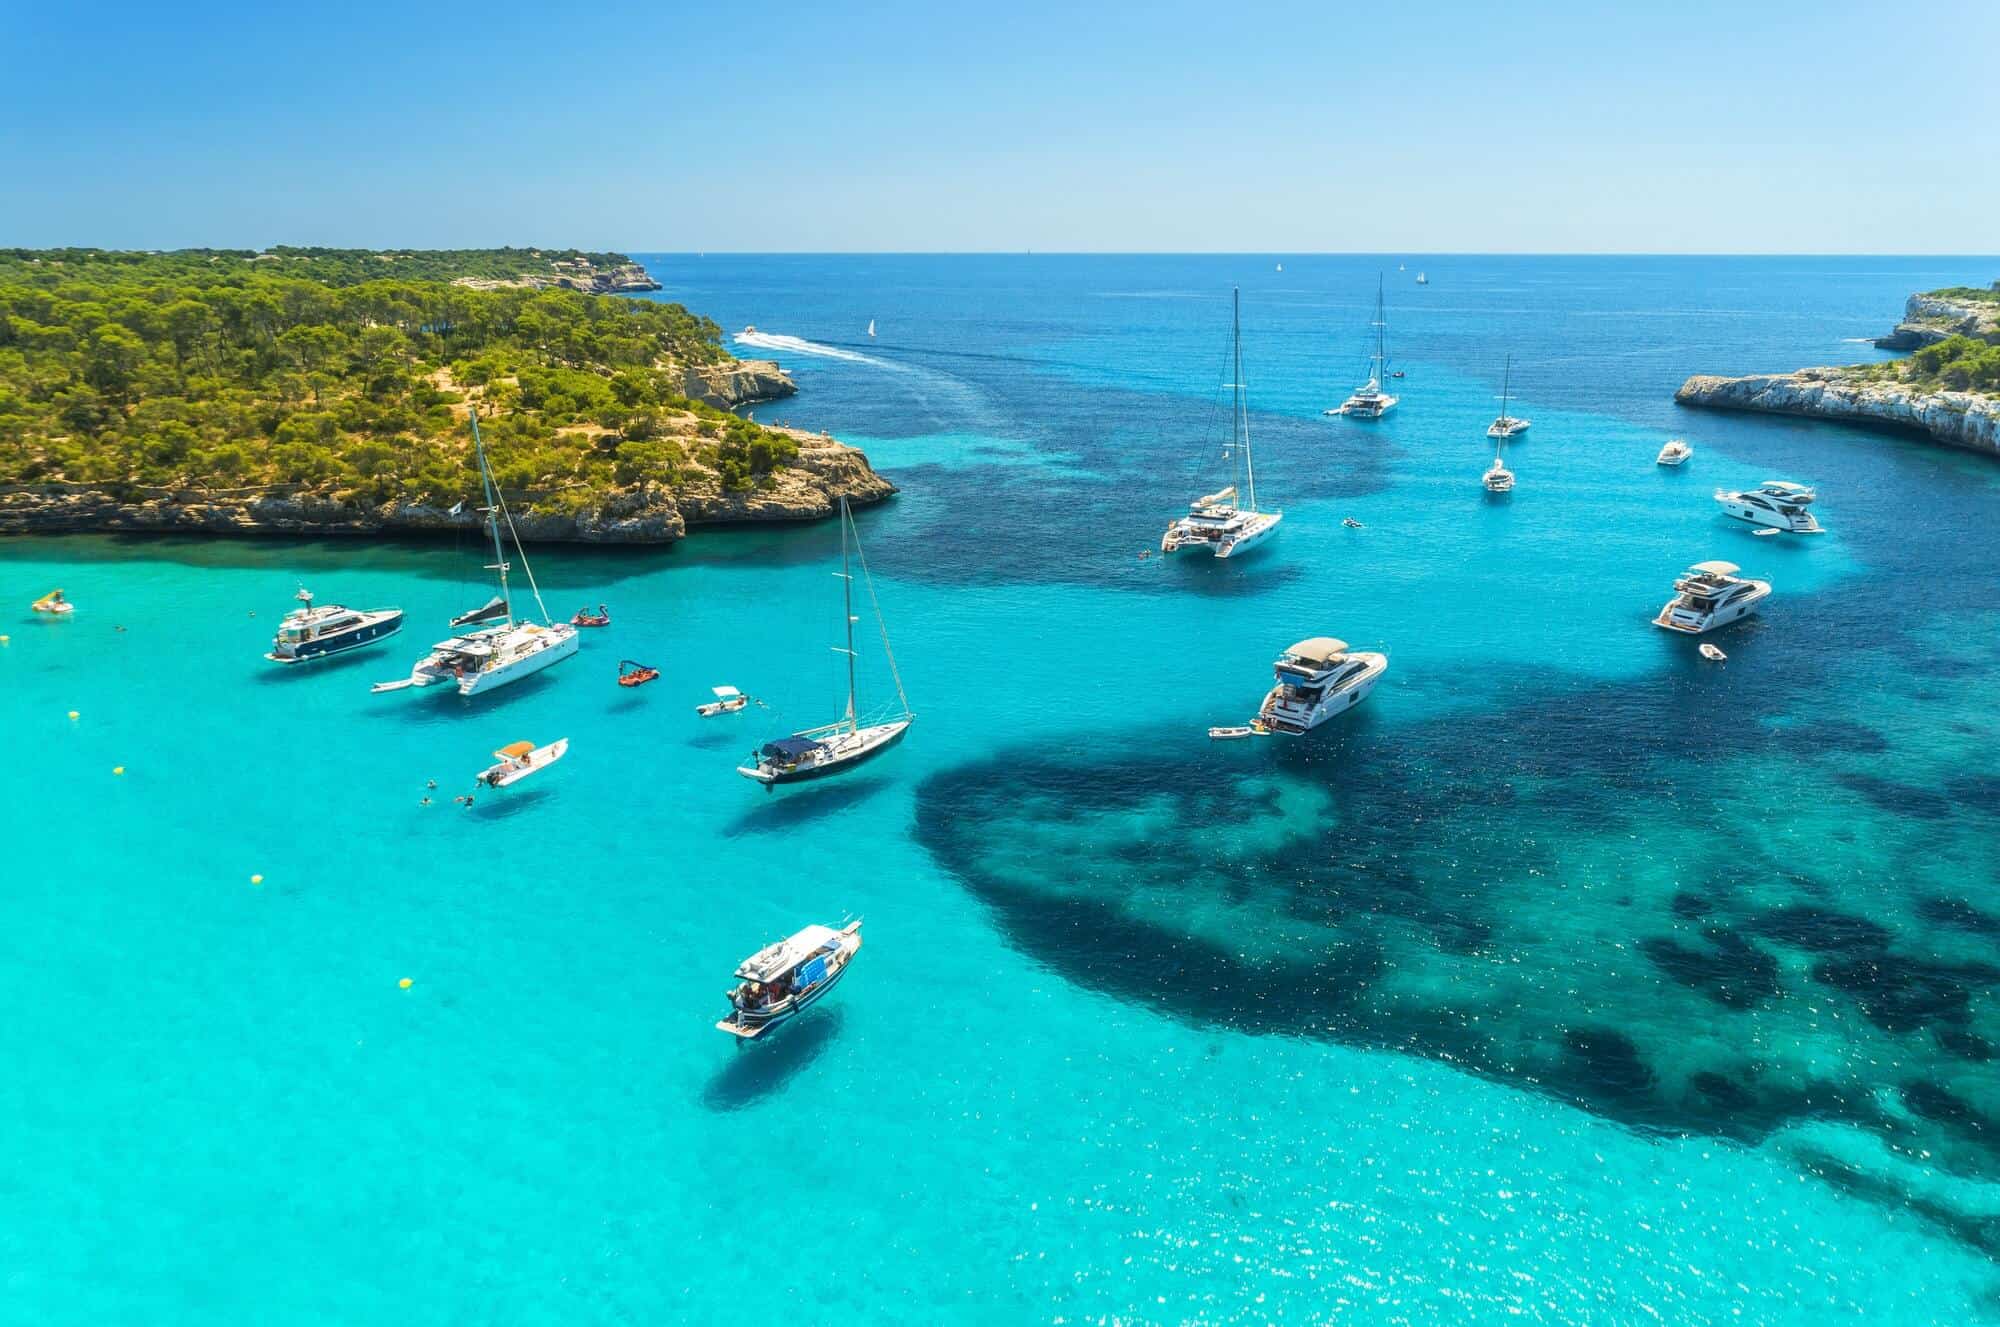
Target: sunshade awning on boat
x=790, y=748
x=787, y=953
x=516, y=751
x=726, y=693
x=1320, y=649
x=1716, y=568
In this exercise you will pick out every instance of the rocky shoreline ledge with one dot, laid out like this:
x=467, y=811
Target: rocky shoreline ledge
x=1961, y=419
x=807, y=489
x=737, y=382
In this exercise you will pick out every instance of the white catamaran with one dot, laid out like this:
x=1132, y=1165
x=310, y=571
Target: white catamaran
x=815, y=753
x=1214, y=521
x=1370, y=401
x=1506, y=426
x=490, y=657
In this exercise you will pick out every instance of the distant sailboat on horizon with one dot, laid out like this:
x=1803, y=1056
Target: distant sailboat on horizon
x=871, y=327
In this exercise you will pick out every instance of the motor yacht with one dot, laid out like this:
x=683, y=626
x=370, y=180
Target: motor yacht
x=783, y=979
x=1317, y=679
x=1711, y=595
x=1215, y=521
x=1674, y=453
x=1773, y=504
x=310, y=633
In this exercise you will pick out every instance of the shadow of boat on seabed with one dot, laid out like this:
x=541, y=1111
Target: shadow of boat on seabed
x=758, y=1069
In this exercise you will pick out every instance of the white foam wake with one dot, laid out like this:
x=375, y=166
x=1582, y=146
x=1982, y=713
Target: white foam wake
x=798, y=345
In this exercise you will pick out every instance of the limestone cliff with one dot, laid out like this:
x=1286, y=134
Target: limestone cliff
x=1928, y=318
x=1962, y=419
x=736, y=382
x=571, y=274
x=809, y=488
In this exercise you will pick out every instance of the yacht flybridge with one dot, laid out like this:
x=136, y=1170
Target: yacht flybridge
x=1711, y=595
x=817, y=752
x=1773, y=504
x=1215, y=521
x=1317, y=679
x=1506, y=425
x=1369, y=400
x=310, y=633
x=486, y=658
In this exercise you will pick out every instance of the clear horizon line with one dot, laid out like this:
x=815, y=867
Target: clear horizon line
x=1306, y=253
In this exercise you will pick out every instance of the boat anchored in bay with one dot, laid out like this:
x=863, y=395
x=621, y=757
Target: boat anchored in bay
x=1711, y=595
x=1317, y=679
x=491, y=657
x=1369, y=400
x=1214, y=520
x=1506, y=425
x=1774, y=505
x=310, y=633
x=814, y=753
x=1675, y=452
x=781, y=980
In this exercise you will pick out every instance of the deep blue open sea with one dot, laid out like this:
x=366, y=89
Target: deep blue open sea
x=1571, y=979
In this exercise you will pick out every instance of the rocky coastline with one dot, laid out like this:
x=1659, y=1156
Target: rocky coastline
x=1930, y=318
x=1961, y=419
x=807, y=489
x=572, y=274
x=737, y=382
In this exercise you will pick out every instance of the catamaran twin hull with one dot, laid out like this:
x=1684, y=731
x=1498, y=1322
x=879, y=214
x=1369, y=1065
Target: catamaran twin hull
x=475, y=670
x=1226, y=543
x=831, y=756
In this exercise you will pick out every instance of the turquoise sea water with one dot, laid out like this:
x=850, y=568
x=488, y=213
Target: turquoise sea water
x=1570, y=979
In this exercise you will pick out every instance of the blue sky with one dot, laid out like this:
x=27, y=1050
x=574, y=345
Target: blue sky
x=1564, y=127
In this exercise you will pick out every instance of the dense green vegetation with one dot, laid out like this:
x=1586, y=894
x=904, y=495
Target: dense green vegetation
x=333, y=267
x=174, y=371
x=1971, y=294
x=1962, y=363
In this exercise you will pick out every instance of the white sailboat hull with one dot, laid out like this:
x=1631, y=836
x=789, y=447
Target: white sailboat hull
x=839, y=751
x=1261, y=527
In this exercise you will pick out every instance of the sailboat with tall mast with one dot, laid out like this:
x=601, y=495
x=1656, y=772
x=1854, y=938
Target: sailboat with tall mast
x=814, y=753
x=490, y=657
x=1370, y=401
x=1506, y=426
x=1214, y=520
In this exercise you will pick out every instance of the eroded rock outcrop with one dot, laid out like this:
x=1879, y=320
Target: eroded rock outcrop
x=1928, y=318
x=737, y=382
x=1962, y=419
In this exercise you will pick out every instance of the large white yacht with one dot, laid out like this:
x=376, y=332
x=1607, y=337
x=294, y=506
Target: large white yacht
x=1215, y=521
x=1711, y=595
x=1773, y=504
x=487, y=658
x=1369, y=400
x=1318, y=679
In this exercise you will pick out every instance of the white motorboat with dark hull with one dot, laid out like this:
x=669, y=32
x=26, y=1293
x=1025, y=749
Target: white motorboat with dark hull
x=782, y=980
x=1369, y=400
x=1317, y=679
x=1215, y=521
x=311, y=633
x=831, y=748
x=487, y=658
x=1676, y=452
x=1506, y=426
x=1711, y=595
x=1773, y=505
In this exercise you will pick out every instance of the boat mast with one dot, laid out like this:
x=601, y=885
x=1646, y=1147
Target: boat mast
x=847, y=606
x=1381, y=331
x=1240, y=421
x=492, y=510
x=1506, y=382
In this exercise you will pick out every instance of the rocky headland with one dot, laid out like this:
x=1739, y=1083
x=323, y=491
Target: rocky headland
x=808, y=488
x=572, y=274
x=737, y=382
x=1907, y=395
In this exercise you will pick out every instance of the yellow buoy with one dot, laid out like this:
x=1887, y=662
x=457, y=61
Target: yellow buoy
x=72, y=714
x=117, y=769
x=404, y=983
x=256, y=879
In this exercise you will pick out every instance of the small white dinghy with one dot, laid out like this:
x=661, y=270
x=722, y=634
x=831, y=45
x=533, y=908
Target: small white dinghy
x=1767, y=532
x=727, y=700
x=520, y=759
x=1232, y=730
x=1712, y=652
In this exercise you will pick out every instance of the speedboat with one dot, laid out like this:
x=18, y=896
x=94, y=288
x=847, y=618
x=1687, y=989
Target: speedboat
x=815, y=753
x=1317, y=679
x=1674, y=453
x=517, y=760
x=783, y=979
x=1214, y=520
x=1711, y=595
x=1370, y=401
x=310, y=633
x=1498, y=478
x=1774, y=505
x=727, y=700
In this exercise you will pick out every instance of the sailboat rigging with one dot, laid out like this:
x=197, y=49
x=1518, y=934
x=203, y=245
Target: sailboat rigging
x=1506, y=426
x=1214, y=521
x=814, y=753
x=1369, y=400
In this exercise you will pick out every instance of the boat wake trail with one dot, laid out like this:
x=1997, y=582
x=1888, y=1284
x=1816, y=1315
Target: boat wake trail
x=798, y=345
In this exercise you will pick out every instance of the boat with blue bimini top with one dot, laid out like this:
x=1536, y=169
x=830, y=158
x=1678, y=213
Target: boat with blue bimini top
x=311, y=633
x=781, y=980
x=814, y=753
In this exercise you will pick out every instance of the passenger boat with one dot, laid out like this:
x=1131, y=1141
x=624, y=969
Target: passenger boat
x=53, y=604
x=727, y=700
x=583, y=617
x=781, y=980
x=310, y=633
x=1317, y=679
x=632, y=673
x=1506, y=426
x=1711, y=595
x=1215, y=521
x=487, y=658
x=517, y=760
x=815, y=753
x=1774, y=505
x=1675, y=452
x=1370, y=401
